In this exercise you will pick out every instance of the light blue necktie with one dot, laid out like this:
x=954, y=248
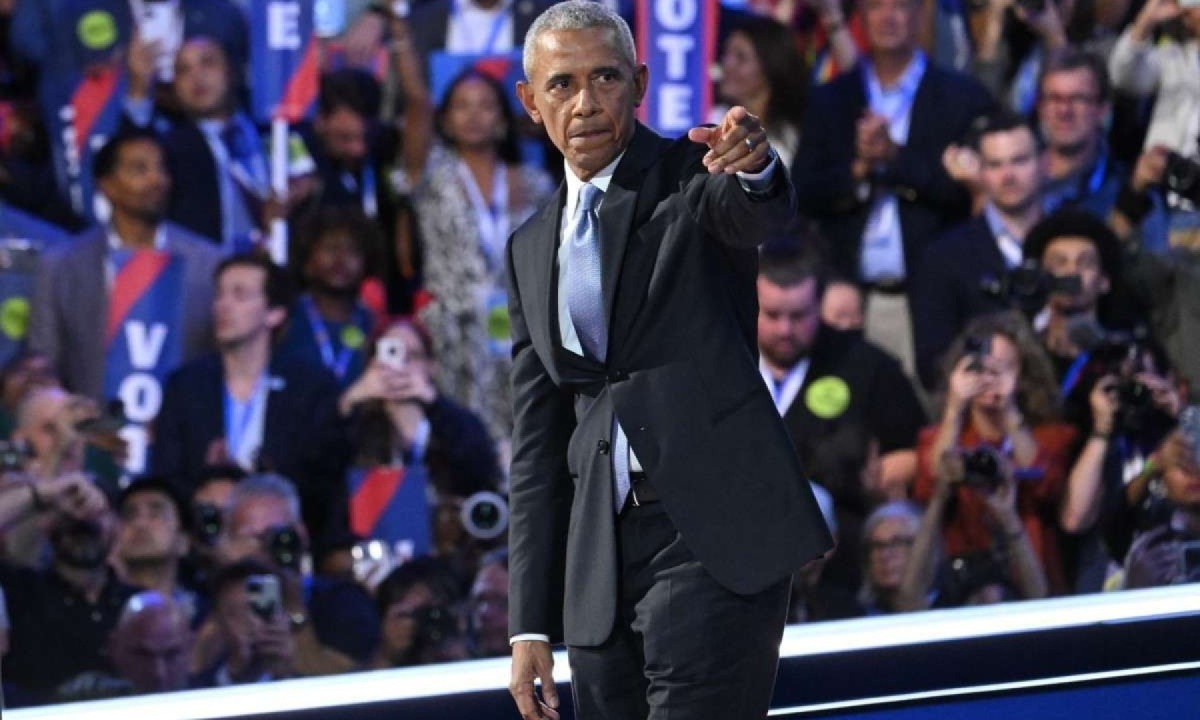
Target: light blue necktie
x=585, y=302
x=585, y=297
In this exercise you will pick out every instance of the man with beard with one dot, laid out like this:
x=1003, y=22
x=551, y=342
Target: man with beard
x=329, y=325
x=852, y=414
x=77, y=281
x=62, y=616
x=949, y=288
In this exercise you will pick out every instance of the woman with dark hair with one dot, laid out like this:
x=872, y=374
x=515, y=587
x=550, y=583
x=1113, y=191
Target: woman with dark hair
x=470, y=190
x=762, y=70
x=1000, y=407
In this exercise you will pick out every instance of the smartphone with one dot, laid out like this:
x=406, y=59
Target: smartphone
x=262, y=592
x=977, y=349
x=392, y=352
x=161, y=21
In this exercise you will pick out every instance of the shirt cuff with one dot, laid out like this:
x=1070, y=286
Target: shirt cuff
x=760, y=182
x=528, y=636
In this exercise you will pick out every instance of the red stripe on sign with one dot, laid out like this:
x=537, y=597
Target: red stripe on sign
x=303, y=86
x=130, y=284
x=371, y=498
x=89, y=101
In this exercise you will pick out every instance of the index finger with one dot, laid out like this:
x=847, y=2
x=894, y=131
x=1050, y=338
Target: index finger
x=527, y=701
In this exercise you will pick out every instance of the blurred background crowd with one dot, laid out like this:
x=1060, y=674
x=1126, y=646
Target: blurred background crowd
x=982, y=331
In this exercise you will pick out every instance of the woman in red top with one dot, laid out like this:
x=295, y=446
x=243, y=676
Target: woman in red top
x=1000, y=393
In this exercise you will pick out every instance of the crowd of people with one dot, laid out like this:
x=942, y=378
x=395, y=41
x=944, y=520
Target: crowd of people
x=981, y=330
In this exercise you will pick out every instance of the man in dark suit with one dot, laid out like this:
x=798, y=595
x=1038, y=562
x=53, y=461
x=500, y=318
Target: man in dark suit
x=258, y=411
x=75, y=281
x=870, y=171
x=949, y=286
x=658, y=508
x=852, y=414
x=213, y=149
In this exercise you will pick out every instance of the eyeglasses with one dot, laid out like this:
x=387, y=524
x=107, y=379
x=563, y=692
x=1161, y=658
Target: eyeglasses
x=1075, y=99
x=900, y=541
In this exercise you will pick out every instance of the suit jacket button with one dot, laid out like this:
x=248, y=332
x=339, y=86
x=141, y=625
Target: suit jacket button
x=602, y=446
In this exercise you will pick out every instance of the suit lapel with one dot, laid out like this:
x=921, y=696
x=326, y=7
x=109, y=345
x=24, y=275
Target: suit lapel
x=617, y=214
x=537, y=266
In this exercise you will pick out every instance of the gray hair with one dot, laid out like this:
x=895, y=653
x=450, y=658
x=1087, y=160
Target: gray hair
x=150, y=601
x=268, y=485
x=578, y=15
x=868, y=594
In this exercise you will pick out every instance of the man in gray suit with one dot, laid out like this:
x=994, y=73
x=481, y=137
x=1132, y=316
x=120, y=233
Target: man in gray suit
x=75, y=281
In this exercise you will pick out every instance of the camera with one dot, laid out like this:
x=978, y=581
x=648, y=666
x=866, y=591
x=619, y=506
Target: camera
x=1135, y=403
x=983, y=468
x=485, y=515
x=1182, y=177
x=14, y=455
x=284, y=546
x=208, y=519
x=1027, y=286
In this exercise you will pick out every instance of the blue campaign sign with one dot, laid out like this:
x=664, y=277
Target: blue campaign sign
x=676, y=39
x=283, y=58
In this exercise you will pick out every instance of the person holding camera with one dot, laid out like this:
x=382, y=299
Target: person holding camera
x=1169, y=553
x=255, y=632
x=418, y=606
x=1156, y=57
x=406, y=426
x=1000, y=404
x=1000, y=166
x=330, y=619
x=1006, y=568
x=62, y=615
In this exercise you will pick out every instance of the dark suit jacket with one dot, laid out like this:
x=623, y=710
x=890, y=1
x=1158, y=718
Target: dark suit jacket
x=945, y=104
x=303, y=438
x=679, y=268
x=70, y=304
x=946, y=291
x=195, y=201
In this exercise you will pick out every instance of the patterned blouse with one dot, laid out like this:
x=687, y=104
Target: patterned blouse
x=464, y=275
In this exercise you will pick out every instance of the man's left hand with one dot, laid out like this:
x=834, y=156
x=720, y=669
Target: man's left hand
x=738, y=144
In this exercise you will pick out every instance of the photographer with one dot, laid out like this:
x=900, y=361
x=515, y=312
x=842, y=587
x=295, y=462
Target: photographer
x=1006, y=568
x=405, y=424
x=1167, y=284
x=417, y=605
x=47, y=450
x=1170, y=553
x=1000, y=395
x=1001, y=168
x=258, y=640
x=331, y=619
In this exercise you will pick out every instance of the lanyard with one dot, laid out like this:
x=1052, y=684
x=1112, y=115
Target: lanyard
x=339, y=364
x=493, y=32
x=370, y=203
x=492, y=217
x=241, y=417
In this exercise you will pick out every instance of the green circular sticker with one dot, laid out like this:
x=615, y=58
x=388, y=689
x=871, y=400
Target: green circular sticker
x=827, y=397
x=353, y=337
x=97, y=30
x=498, y=326
x=14, y=317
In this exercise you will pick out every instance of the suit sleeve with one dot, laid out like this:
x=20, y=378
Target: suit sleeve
x=740, y=218
x=540, y=489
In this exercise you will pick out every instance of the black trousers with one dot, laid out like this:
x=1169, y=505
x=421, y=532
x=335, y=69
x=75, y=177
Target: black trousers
x=684, y=647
